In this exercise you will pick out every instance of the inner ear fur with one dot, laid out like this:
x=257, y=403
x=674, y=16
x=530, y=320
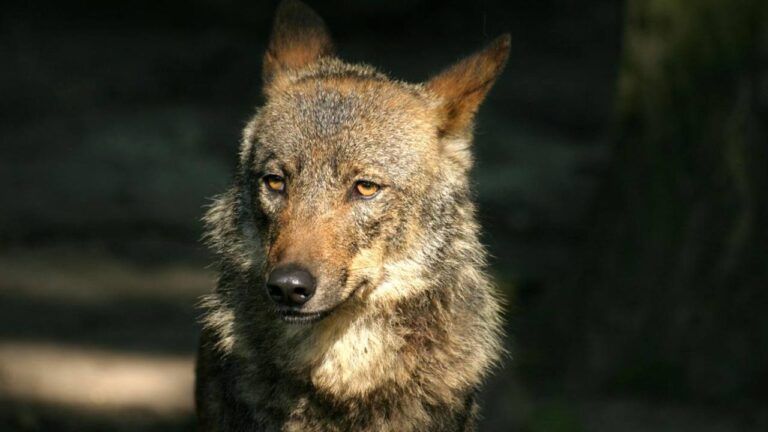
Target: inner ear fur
x=462, y=87
x=299, y=38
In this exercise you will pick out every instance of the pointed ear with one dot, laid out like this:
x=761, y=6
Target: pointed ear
x=463, y=86
x=299, y=38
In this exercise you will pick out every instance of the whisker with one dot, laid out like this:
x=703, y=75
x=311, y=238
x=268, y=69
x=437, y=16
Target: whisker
x=361, y=268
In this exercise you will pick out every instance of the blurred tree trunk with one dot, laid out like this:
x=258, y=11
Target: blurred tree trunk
x=674, y=300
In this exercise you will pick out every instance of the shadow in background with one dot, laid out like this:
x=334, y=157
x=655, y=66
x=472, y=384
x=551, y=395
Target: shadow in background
x=621, y=156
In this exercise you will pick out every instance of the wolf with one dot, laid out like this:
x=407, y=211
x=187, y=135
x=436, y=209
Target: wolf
x=353, y=294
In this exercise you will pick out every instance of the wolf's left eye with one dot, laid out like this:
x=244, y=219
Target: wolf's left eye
x=274, y=182
x=366, y=189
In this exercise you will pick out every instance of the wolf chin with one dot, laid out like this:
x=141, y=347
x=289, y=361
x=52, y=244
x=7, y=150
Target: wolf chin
x=352, y=293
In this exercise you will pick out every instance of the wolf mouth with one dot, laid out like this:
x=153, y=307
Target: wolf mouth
x=296, y=317
x=293, y=317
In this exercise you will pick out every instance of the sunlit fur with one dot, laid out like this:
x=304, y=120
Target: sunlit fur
x=414, y=323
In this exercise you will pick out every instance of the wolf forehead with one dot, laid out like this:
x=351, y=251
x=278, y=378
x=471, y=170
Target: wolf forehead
x=345, y=113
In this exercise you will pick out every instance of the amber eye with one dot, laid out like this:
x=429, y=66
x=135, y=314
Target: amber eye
x=274, y=182
x=366, y=189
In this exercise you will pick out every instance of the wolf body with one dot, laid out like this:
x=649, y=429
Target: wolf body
x=352, y=293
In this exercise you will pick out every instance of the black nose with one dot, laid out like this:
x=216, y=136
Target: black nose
x=290, y=285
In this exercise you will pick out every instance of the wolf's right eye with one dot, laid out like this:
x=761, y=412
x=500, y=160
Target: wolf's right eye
x=274, y=182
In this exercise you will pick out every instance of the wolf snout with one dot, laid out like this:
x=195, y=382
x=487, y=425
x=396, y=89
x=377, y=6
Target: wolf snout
x=290, y=285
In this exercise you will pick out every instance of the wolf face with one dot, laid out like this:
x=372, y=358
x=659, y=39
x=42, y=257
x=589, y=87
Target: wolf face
x=336, y=162
x=342, y=164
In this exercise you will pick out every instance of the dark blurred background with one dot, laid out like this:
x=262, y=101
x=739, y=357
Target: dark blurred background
x=622, y=177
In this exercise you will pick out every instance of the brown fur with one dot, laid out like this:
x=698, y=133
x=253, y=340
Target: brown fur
x=413, y=323
x=464, y=85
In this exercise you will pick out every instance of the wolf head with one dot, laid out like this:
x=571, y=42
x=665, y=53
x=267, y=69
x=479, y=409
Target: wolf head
x=348, y=178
